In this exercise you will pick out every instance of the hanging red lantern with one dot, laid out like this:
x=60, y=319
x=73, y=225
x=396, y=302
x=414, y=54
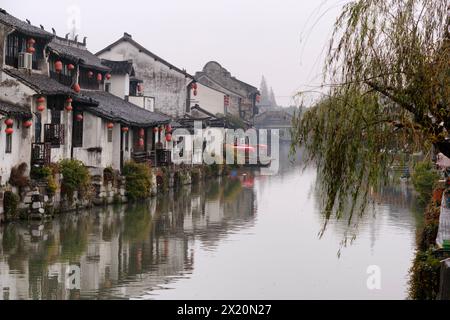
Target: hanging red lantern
x=31, y=50
x=155, y=129
x=194, y=86
x=169, y=128
x=9, y=122
x=79, y=117
x=108, y=76
x=195, y=92
x=125, y=129
x=110, y=125
x=90, y=74
x=27, y=124
x=70, y=67
x=31, y=42
x=141, y=132
x=140, y=87
x=69, y=100
x=58, y=66
x=40, y=108
x=9, y=130
x=141, y=142
x=76, y=87
x=258, y=98
x=168, y=137
x=40, y=100
x=69, y=108
x=99, y=77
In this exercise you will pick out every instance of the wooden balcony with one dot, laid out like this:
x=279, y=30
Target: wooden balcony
x=54, y=135
x=40, y=154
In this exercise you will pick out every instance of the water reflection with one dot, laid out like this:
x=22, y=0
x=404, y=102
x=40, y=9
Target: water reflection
x=121, y=250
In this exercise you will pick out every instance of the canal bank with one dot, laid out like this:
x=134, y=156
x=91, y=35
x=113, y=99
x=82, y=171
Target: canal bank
x=243, y=237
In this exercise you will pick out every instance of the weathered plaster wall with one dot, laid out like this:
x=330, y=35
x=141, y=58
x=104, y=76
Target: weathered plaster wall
x=169, y=87
x=209, y=99
x=120, y=85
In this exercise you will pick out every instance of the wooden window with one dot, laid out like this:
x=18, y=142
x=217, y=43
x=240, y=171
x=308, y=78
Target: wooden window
x=77, y=133
x=110, y=135
x=54, y=134
x=8, y=148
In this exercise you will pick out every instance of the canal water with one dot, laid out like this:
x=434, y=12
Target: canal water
x=244, y=237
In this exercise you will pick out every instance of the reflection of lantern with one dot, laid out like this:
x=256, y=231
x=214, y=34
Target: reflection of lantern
x=110, y=125
x=168, y=137
x=76, y=87
x=141, y=132
x=99, y=77
x=9, y=122
x=40, y=108
x=141, y=142
x=108, y=76
x=27, y=123
x=58, y=66
x=71, y=67
x=169, y=128
x=125, y=129
x=79, y=117
x=90, y=74
x=9, y=130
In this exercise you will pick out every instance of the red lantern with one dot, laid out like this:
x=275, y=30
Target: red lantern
x=169, y=128
x=31, y=50
x=125, y=129
x=258, y=98
x=155, y=129
x=70, y=67
x=58, y=66
x=168, y=137
x=40, y=108
x=108, y=76
x=76, y=87
x=9, y=122
x=9, y=130
x=90, y=74
x=195, y=92
x=69, y=100
x=27, y=123
x=110, y=125
x=69, y=108
x=79, y=117
x=31, y=42
x=40, y=100
x=140, y=87
x=99, y=77
x=141, y=142
x=141, y=132
x=194, y=86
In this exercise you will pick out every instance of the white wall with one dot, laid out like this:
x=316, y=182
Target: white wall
x=209, y=99
x=120, y=85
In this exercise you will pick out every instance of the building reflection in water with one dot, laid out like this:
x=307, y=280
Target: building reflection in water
x=122, y=251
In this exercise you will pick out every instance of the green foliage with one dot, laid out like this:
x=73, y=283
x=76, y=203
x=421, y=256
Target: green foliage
x=137, y=223
x=424, y=178
x=424, y=283
x=76, y=177
x=108, y=174
x=39, y=173
x=10, y=204
x=138, y=180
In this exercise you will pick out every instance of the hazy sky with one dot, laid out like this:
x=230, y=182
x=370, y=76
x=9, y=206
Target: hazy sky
x=282, y=39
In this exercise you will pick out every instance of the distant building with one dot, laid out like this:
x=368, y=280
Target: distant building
x=241, y=97
x=277, y=119
x=162, y=82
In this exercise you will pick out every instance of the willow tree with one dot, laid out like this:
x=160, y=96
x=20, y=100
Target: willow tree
x=387, y=91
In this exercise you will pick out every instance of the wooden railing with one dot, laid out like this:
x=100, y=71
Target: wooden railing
x=40, y=154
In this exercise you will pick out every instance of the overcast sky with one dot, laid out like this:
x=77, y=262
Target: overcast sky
x=282, y=39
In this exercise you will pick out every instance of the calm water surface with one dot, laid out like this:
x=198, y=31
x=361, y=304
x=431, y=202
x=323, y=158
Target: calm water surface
x=251, y=237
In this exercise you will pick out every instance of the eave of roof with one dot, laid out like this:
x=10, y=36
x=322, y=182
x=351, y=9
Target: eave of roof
x=23, y=27
x=146, y=51
x=119, y=67
x=15, y=110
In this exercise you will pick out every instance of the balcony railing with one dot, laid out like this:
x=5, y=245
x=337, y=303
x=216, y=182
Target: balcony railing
x=40, y=154
x=54, y=135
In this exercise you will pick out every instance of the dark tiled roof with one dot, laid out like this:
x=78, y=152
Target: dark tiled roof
x=119, y=67
x=23, y=26
x=115, y=109
x=14, y=110
x=76, y=53
x=128, y=38
x=39, y=82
